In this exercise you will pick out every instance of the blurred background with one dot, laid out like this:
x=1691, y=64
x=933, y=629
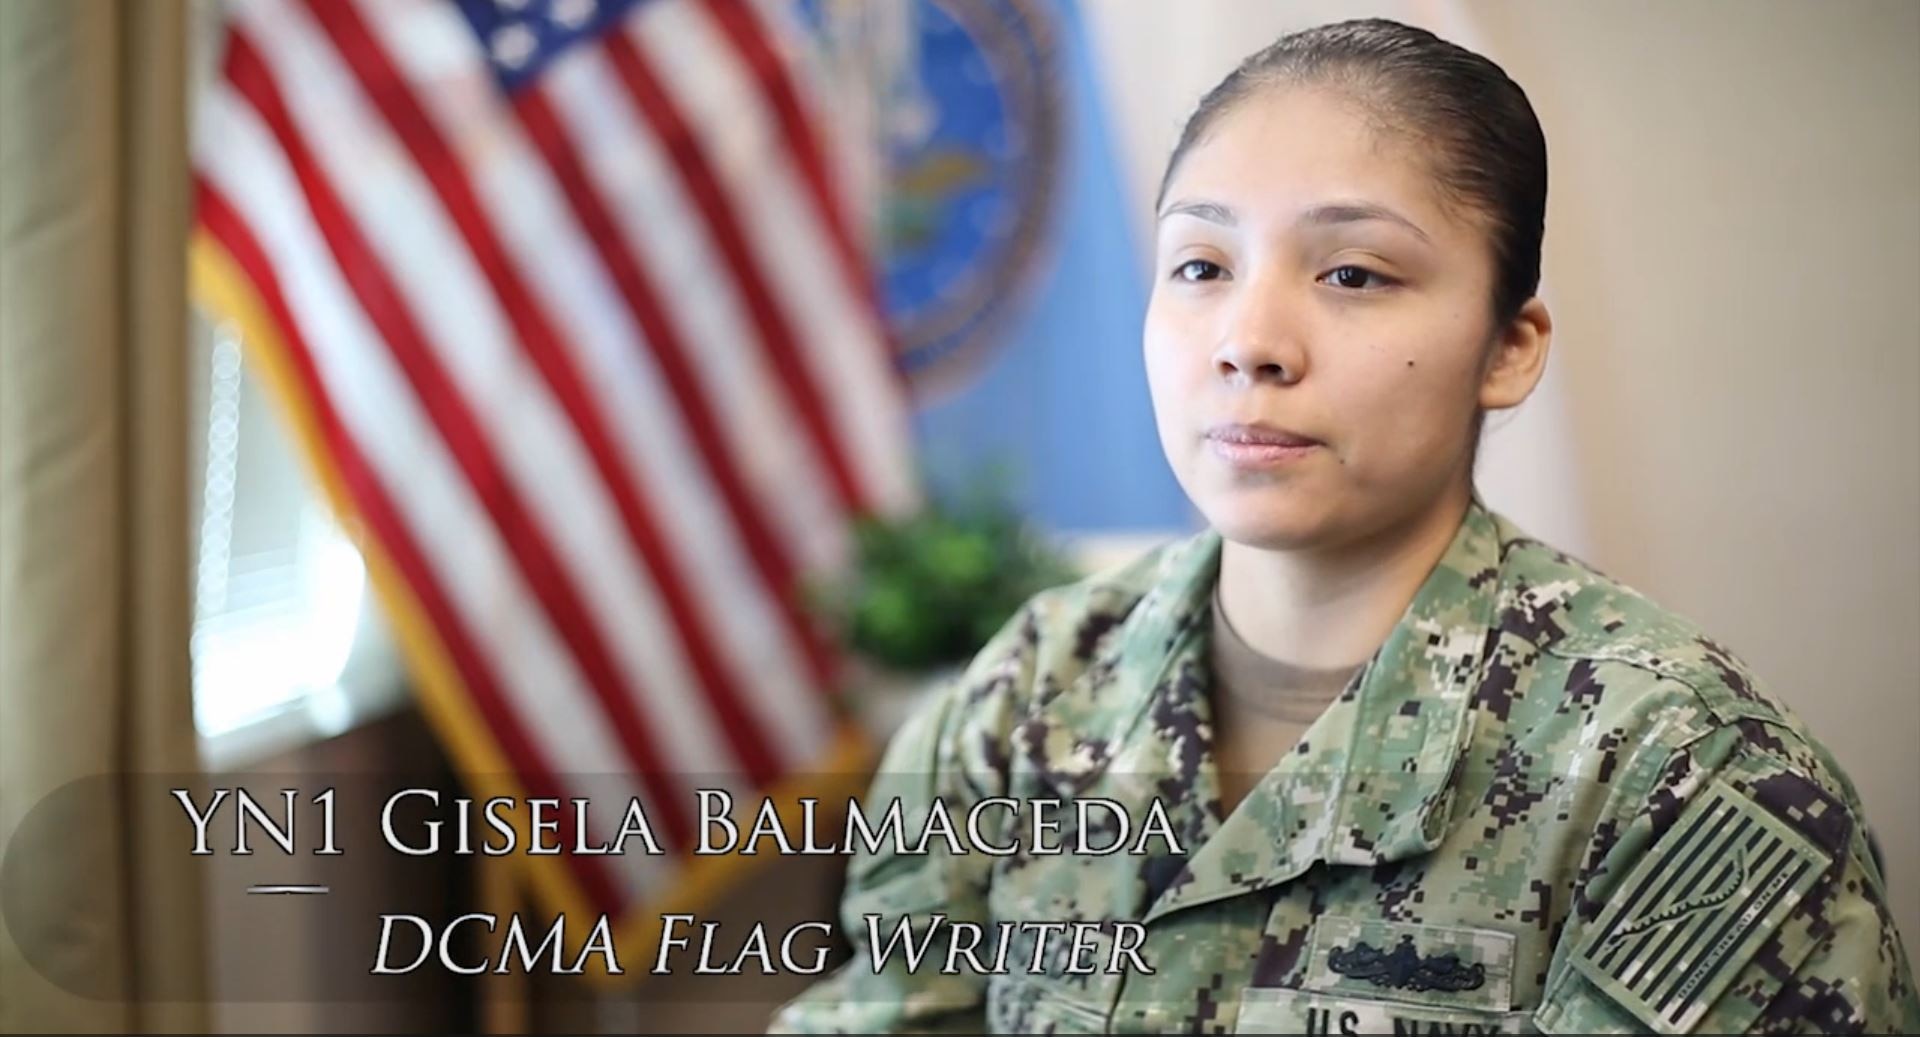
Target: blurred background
x=569, y=397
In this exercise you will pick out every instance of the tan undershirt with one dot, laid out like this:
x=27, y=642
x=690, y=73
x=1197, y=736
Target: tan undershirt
x=1261, y=706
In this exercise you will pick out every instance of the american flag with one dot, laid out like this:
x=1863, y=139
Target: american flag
x=568, y=303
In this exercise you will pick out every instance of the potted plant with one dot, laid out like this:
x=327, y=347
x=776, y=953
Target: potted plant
x=925, y=592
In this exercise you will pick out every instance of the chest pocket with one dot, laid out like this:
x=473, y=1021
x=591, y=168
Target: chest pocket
x=1052, y=999
x=1037, y=1004
x=1366, y=976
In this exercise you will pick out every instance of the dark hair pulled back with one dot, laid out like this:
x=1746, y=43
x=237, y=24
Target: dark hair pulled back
x=1488, y=150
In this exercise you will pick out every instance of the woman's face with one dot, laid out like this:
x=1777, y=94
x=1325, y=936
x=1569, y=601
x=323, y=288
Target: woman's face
x=1319, y=325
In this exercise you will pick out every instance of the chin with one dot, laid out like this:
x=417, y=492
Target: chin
x=1257, y=520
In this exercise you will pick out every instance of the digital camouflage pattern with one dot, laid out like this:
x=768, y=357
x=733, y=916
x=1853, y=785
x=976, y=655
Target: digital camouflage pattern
x=1544, y=804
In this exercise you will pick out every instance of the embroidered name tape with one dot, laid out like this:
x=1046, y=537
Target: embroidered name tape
x=1280, y=1010
x=1711, y=890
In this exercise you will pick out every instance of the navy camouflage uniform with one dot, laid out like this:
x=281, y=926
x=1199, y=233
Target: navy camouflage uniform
x=1545, y=804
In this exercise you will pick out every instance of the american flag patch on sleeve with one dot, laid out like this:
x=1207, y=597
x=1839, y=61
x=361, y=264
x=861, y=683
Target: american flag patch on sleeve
x=1697, y=907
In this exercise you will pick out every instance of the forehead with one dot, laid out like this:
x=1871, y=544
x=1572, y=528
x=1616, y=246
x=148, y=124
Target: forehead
x=1286, y=149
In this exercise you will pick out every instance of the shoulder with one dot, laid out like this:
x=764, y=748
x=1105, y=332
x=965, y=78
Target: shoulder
x=1737, y=820
x=1083, y=621
x=1617, y=669
x=1067, y=632
x=1072, y=636
x=1638, y=658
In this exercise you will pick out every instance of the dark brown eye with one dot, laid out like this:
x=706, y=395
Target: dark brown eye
x=1356, y=277
x=1197, y=270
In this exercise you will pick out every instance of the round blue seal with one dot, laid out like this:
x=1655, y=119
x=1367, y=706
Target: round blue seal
x=970, y=123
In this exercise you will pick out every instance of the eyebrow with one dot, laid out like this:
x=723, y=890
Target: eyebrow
x=1320, y=215
x=1357, y=212
x=1212, y=212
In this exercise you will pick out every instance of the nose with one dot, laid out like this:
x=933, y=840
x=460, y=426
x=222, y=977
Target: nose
x=1260, y=343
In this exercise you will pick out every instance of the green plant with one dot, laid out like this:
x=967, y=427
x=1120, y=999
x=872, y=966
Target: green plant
x=930, y=589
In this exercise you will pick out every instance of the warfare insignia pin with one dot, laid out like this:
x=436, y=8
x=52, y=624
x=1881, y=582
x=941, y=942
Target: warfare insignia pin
x=1438, y=966
x=1404, y=968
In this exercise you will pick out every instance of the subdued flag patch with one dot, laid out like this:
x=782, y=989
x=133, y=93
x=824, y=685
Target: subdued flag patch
x=1697, y=908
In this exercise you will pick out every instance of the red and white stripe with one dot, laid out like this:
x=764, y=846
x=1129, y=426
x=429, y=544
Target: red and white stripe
x=599, y=365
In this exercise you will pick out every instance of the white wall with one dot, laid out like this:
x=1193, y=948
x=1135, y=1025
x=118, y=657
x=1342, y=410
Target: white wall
x=1733, y=260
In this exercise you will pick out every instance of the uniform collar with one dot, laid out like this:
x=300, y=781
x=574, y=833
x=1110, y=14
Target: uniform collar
x=1375, y=781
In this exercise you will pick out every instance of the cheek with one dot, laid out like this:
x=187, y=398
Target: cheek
x=1407, y=401
x=1167, y=354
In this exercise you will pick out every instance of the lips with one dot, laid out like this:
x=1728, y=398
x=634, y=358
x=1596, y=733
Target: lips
x=1259, y=435
x=1260, y=448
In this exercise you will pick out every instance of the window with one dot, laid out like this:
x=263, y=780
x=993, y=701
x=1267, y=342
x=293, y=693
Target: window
x=286, y=648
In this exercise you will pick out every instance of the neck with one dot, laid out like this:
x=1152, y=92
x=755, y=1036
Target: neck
x=1333, y=607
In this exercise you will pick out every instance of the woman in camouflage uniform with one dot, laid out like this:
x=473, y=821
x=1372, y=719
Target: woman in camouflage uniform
x=1427, y=774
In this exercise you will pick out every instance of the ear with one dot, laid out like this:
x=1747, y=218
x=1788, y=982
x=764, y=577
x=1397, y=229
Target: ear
x=1518, y=357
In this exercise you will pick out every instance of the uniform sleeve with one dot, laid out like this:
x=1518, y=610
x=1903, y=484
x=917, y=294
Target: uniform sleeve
x=1856, y=979
x=952, y=753
x=1743, y=898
